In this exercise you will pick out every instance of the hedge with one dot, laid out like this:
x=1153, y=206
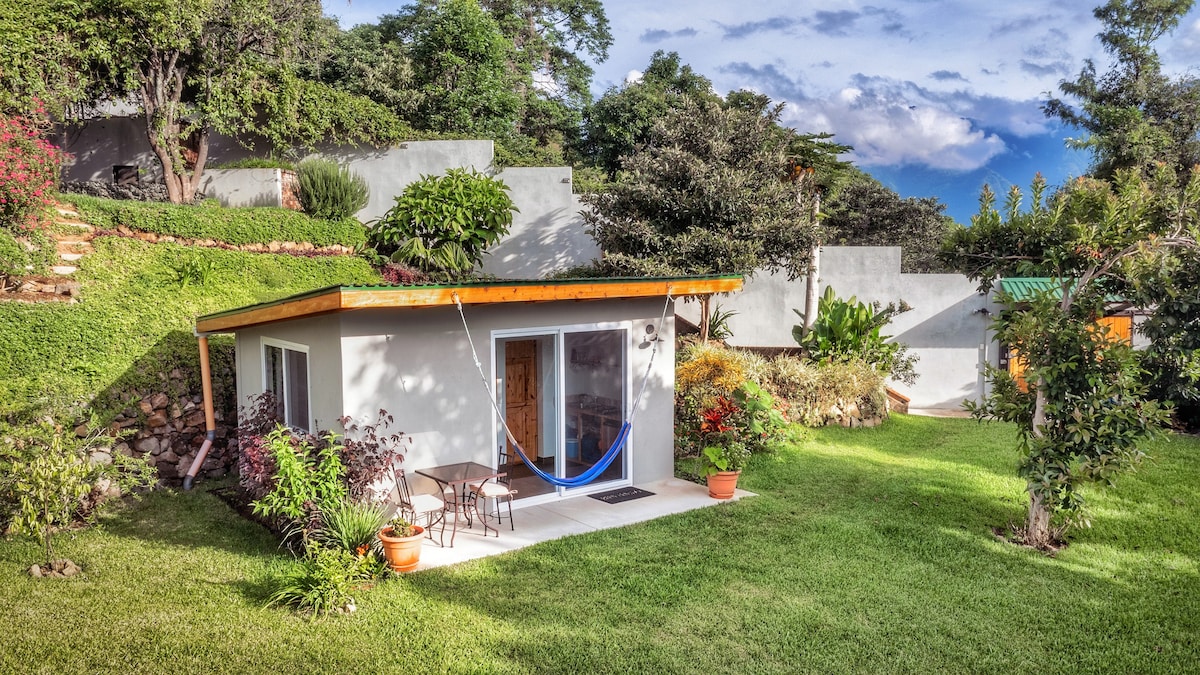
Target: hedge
x=237, y=226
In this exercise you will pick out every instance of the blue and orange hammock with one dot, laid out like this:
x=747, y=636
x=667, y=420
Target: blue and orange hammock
x=618, y=444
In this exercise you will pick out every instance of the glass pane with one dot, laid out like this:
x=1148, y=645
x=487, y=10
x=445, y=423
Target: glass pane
x=273, y=357
x=297, y=389
x=594, y=382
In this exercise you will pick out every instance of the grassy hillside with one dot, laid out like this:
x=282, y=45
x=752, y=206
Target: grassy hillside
x=135, y=316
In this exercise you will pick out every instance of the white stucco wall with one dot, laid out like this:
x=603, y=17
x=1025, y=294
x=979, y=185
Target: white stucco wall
x=244, y=187
x=547, y=232
x=945, y=328
x=416, y=364
x=322, y=337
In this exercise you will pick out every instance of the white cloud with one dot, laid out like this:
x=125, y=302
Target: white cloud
x=633, y=77
x=889, y=132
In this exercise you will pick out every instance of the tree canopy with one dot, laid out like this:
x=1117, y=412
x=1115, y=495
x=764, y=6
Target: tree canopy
x=622, y=120
x=1134, y=116
x=191, y=67
x=706, y=195
x=1085, y=410
x=867, y=213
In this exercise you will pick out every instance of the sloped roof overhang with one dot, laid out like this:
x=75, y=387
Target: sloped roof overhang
x=336, y=299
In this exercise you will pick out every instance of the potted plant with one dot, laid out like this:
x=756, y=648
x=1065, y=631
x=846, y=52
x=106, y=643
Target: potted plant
x=721, y=463
x=401, y=544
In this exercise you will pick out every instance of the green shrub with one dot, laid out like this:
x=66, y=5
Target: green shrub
x=330, y=192
x=307, y=479
x=237, y=226
x=849, y=329
x=718, y=389
x=443, y=224
x=50, y=479
x=321, y=582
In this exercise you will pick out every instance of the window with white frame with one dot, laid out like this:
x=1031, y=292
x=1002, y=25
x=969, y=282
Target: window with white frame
x=285, y=375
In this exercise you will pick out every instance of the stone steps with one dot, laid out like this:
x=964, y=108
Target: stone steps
x=71, y=246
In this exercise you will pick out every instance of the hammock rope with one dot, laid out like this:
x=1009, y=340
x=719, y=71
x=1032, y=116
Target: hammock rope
x=618, y=444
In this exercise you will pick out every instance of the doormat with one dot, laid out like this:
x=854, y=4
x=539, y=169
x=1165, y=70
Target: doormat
x=621, y=495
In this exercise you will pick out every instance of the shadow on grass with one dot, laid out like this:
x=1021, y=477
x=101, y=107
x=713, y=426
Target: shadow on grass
x=843, y=562
x=192, y=520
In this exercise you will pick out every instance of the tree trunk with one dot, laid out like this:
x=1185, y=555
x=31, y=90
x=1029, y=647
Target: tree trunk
x=811, y=287
x=704, y=318
x=812, y=284
x=1037, y=524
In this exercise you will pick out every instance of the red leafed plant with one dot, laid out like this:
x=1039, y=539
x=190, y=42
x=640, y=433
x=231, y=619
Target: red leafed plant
x=717, y=419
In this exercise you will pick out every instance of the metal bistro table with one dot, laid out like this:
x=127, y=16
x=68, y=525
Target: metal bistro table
x=455, y=480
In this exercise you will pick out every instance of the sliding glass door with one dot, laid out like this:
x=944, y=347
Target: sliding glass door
x=563, y=392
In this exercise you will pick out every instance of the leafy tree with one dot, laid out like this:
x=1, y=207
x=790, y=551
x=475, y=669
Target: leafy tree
x=40, y=63
x=551, y=38
x=370, y=61
x=1171, y=286
x=621, y=121
x=444, y=224
x=198, y=66
x=706, y=195
x=1134, y=115
x=1085, y=411
x=867, y=213
x=461, y=69
x=548, y=36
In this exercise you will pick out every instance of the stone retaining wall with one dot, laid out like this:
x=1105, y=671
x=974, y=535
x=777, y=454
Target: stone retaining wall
x=167, y=431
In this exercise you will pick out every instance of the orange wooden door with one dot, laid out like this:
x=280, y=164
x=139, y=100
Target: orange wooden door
x=521, y=394
x=1119, y=327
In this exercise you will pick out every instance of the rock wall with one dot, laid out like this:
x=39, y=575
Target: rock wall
x=168, y=429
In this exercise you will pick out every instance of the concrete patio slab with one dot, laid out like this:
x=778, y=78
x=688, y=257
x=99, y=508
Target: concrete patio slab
x=576, y=515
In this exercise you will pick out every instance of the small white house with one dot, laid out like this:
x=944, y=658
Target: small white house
x=566, y=360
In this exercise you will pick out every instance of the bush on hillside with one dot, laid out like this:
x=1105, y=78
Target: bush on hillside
x=329, y=191
x=237, y=226
x=51, y=479
x=444, y=224
x=29, y=167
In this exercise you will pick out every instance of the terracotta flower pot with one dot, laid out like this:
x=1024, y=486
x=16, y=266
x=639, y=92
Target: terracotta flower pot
x=722, y=484
x=402, y=553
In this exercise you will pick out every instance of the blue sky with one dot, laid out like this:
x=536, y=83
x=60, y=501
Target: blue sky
x=937, y=97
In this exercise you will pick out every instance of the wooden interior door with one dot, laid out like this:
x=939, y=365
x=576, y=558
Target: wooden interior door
x=521, y=400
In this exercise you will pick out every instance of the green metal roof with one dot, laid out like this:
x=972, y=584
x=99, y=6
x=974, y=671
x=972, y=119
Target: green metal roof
x=1024, y=289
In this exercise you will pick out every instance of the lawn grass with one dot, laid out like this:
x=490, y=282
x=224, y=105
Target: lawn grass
x=866, y=551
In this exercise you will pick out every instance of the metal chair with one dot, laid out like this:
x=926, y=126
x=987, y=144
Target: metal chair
x=496, y=489
x=413, y=507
